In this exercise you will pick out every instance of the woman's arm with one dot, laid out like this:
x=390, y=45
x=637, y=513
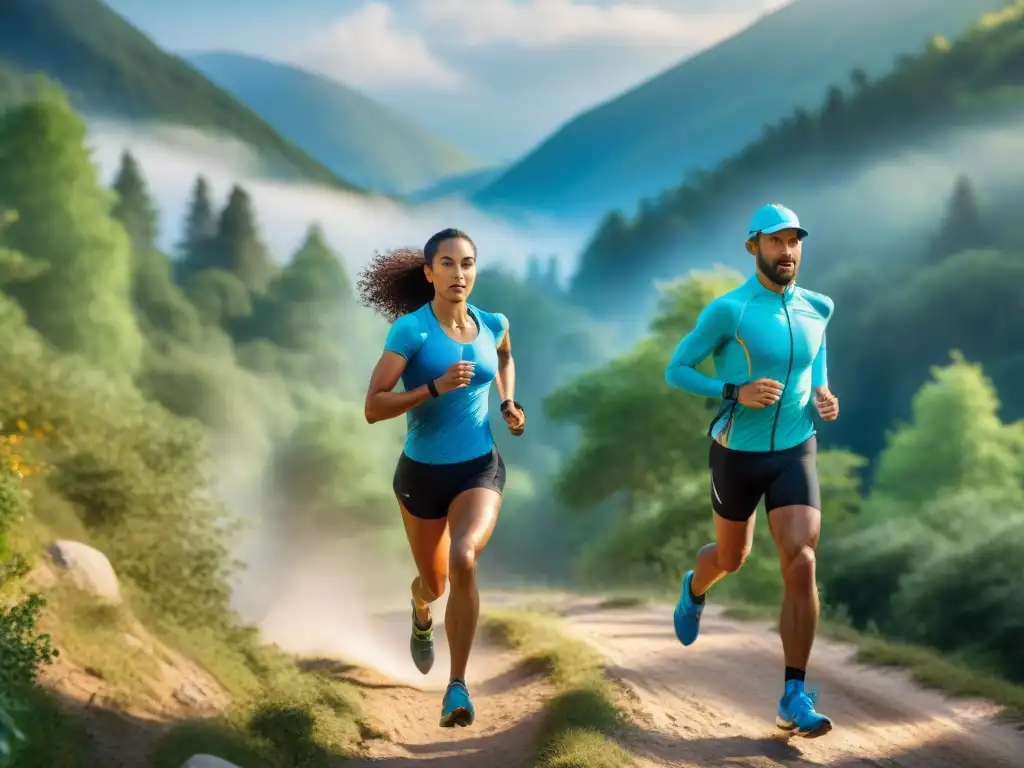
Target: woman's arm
x=506, y=377
x=514, y=416
x=381, y=402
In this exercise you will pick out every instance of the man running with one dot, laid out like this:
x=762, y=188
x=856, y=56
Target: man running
x=767, y=340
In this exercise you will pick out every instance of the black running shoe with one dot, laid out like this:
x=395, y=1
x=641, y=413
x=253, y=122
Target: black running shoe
x=421, y=643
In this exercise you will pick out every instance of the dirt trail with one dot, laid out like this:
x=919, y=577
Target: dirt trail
x=713, y=704
x=709, y=705
x=508, y=699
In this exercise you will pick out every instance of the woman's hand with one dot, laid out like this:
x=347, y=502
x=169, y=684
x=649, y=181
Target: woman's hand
x=515, y=417
x=456, y=377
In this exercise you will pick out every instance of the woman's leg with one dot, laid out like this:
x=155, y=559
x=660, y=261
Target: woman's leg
x=471, y=520
x=429, y=542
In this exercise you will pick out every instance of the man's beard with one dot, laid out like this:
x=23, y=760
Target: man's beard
x=772, y=271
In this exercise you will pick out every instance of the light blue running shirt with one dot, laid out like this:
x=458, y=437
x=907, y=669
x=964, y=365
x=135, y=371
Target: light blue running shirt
x=754, y=333
x=456, y=426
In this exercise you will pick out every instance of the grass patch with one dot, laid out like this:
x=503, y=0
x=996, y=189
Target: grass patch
x=623, y=601
x=927, y=667
x=931, y=669
x=749, y=612
x=95, y=637
x=281, y=715
x=582, y=716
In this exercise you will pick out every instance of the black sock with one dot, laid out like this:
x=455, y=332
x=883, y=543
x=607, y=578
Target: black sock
x=792, y=673
x=698, y=599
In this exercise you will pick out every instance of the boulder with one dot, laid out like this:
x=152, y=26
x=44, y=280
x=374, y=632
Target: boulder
x=207, y=761
x=87, y=569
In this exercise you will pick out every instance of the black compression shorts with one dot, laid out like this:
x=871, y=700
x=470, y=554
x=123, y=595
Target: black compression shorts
x=784, y=478
x=428, y=490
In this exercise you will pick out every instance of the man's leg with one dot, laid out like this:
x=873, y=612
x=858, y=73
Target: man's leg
x=794, y=517
x=734, y=497
x=728, y=552
x=795, y=530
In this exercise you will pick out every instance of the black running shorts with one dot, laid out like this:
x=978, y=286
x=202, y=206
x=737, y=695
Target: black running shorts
x=784, y=478
x=428, y=490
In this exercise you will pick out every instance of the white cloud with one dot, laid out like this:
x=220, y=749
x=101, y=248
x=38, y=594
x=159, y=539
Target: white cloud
x=519, y=66
x=404, y=42
x=546, y=23
x=366, y=47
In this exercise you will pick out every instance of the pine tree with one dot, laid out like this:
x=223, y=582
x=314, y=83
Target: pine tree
x=833, y=113
x=237, y=247
x=160, y=306
x=962, y=228
x=82, y=302
x=553, y=277
x=134, y=207
x=533, y=275
x=602, y=257
x=310, y=296
x=200, y=228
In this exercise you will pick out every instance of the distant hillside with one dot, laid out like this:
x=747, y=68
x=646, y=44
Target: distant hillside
x=110, y=69
x=954, y=105
x=460, y=185
x=706, y=108
x=354, y=136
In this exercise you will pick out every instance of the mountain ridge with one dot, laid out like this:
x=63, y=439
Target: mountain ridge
x=374, y=145
x=648, y=138
x=111, y=69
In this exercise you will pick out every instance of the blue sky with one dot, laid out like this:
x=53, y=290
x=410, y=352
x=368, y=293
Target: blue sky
x=494, y=76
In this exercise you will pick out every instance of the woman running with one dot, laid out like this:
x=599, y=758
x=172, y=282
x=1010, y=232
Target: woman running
x=450, y=477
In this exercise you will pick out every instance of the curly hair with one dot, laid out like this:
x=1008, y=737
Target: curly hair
x=393, y=282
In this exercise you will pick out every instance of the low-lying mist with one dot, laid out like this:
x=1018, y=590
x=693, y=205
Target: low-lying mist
x=355, y=225
x=880, y=212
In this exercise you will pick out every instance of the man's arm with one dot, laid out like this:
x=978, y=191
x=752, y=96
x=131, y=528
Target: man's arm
x=714, y=326
x=819, y=369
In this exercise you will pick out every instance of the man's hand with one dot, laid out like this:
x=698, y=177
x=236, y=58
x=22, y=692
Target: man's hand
x=515, y=418
x=759, y=394
x=826, y=403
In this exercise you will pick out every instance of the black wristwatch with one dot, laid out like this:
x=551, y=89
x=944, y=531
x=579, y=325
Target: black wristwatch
x=507, y=403
x=731, y=392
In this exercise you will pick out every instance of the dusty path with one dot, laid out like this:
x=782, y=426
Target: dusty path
x=713, y=704
x=709, y=705
x=508, y=700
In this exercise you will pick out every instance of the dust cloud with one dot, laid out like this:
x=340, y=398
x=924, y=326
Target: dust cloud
x=350, y=601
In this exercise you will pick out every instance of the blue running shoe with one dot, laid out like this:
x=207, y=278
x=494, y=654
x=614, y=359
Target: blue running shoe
x=421, y=644
x=797, y=714
x=687, y=614
x=457, y=709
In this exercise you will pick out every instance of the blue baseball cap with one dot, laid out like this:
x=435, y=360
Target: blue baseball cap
x=772, y=218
